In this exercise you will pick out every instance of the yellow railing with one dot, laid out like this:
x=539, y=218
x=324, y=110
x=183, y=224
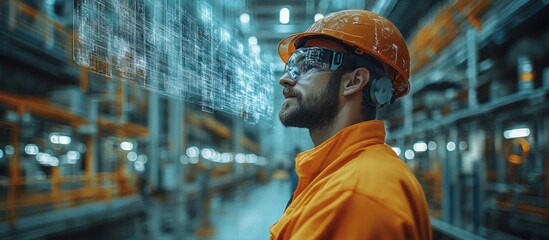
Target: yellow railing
x=56, y=197
x=93, y=184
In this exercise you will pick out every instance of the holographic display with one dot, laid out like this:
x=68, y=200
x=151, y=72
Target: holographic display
x=174, y=49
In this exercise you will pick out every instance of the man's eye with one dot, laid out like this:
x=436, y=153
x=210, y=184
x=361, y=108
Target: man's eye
x=306, y=68
x=294, y=73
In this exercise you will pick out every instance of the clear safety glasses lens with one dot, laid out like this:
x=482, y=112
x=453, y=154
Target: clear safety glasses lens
x=307, y=58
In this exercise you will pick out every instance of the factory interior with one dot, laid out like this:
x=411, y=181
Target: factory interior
x=171, y=130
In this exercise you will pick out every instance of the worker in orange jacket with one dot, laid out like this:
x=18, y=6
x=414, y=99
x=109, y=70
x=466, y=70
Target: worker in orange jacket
x=351, y=184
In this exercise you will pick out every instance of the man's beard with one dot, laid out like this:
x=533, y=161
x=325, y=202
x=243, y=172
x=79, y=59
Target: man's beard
x=316, y=112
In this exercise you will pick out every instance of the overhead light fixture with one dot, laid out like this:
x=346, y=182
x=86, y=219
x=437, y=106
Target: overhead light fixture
x=244, y=19
x=397, y=150
x=451, y=146
x=432, y=145
x=420, y=146
x=207, y=153
x=250, y=158
x=31, y=149
x=193, y=151
x=54, y=161
x=56, y=138
x=516, y=133
x=139, y=166
x=9, y=149
x=47, y=159
x=142, y=158
x=462, y=145
x=409, y=154
x=240, y=158
x=319, y=16
x=132, y=156
x=73, y=155
x=226, y=157
x=64, y=140
x=184, y=159
x=252, y=41
x=284, y=15
x=126, y=146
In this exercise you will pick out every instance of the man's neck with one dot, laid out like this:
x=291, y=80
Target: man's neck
x=321, y=134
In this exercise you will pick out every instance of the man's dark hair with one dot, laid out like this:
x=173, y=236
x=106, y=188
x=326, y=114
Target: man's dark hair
x=375, y=68
x=368, y=111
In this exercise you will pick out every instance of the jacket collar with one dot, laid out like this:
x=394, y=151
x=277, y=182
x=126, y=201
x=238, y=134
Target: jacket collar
x=313, y=161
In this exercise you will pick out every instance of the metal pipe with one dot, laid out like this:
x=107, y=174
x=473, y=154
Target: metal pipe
x=472, y=67
x=88, y=167
x=84, y=79
x=12, y=13
x=14, y=178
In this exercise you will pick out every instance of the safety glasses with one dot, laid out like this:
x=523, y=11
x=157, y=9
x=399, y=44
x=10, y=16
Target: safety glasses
x=307, y=58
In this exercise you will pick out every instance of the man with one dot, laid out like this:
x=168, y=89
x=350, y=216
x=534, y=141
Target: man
x=351, y=185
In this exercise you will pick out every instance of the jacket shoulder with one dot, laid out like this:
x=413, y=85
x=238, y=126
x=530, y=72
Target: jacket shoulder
x=377, y=172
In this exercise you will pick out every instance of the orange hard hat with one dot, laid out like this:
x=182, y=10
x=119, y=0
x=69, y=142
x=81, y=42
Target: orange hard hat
x=368, y=33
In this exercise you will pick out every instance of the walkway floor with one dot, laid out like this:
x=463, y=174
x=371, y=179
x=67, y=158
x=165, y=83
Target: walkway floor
x=251, y=212
x=245, y=212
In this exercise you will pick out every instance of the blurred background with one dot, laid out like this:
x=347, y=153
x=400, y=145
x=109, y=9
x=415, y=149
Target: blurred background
x=89, y=156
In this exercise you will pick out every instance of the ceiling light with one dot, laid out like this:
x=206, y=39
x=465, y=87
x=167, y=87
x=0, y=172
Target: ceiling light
x=244, y=19
x=432, y=145
x=73, y=155
x=397, y=150
x=64, y=140
x=420, y=146
x=450, y=146
x=516, y=133
x=127, y=146
x=207, y=153
x=409, y=154
x=139, y=166
x=31, y=149
x=462, y=145
x=142, y=158
x=54, y=161
x=9, y=149
x=318, y=16
x=192, y=151
x=132, y=156
x=252, y=40
x=240, y=158
x=284, y=15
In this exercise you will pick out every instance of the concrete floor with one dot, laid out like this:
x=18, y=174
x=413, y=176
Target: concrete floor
x=243, y=213
x=250, y=214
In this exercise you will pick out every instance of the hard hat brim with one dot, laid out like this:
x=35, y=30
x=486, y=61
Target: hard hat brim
x=287, y=45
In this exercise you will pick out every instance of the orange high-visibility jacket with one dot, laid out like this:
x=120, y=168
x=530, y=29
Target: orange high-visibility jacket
x=354, y=186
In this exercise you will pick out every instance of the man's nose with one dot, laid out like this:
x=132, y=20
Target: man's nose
x=286, y=80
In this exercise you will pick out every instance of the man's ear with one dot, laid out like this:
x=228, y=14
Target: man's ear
x=355, y=81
